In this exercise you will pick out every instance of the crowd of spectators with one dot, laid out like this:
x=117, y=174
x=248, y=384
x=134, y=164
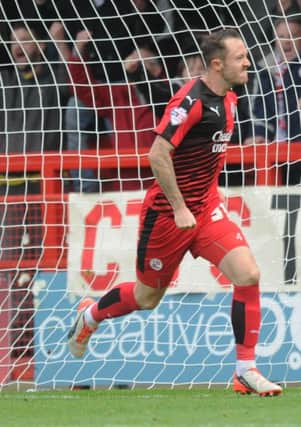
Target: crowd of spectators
x=76, y=75
x=277, y=94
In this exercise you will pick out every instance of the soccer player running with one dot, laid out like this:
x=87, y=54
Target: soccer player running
x=183, y=211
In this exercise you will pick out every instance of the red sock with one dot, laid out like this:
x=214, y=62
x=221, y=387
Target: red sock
x=117, y=302
x=246, y=319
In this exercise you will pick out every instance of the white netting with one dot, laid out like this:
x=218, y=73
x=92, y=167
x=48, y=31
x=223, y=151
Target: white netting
x=82, y=86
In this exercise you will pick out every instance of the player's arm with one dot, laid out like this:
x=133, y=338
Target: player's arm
x=163, y=170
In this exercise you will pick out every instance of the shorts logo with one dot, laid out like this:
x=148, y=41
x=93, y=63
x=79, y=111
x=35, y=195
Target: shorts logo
x=156, y=264
x=178, y=115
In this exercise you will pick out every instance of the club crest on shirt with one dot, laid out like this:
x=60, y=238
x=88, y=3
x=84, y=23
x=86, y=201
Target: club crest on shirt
x=156, y=264
x=178, y=115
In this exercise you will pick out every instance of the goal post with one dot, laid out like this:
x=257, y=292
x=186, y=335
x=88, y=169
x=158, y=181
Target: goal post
x=78, y=104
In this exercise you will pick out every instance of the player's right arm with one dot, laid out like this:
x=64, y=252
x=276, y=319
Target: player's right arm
x=163, y=170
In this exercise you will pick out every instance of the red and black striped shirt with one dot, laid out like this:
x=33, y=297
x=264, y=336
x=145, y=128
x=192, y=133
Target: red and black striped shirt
x=199, y=124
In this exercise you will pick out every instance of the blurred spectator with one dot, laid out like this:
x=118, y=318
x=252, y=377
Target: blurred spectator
x=254, y=21
x=278, y=9
x=243, y=128
x=284, y=8
x=44, y=14
x=192, y=16
x=32, y=96
x=116, y=28
x=145, y=70
x=278, y=95
x=150, y=91
x=132, y=122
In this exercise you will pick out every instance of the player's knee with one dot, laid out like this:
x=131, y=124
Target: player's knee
x=148, y=298
x=149, y=303
x=250, y=277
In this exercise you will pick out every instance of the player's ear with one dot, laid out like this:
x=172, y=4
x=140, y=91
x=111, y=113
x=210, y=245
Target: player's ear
x=216, y=64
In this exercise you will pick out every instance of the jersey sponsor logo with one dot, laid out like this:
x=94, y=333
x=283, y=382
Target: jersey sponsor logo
x=178, y=115
x=221, y=136
x=215, y=110
x=156, y=264
x=219, y=148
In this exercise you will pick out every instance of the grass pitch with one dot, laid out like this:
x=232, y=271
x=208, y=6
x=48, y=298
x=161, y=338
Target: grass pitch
x=155, y=408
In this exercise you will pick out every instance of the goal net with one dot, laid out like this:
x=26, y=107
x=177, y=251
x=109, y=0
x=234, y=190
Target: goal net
x=82, y=86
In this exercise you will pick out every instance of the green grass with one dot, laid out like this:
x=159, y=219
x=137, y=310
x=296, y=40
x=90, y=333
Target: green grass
x=141, y=408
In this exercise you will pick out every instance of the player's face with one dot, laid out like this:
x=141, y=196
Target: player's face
x=236, y=63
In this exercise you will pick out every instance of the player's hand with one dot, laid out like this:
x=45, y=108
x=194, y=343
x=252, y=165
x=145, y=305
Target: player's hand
x=184, y=218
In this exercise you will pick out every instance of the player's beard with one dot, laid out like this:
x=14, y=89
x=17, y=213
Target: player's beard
x=234, y=80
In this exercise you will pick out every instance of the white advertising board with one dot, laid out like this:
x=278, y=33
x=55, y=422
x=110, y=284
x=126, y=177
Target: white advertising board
x=103, y=233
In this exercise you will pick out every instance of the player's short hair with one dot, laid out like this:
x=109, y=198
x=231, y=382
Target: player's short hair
x=213, y=45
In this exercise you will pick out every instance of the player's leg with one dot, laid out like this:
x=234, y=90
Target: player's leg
x=240, y=267
x=119, y=301
x=223, y=244
x=123, y=299
x=158, y=257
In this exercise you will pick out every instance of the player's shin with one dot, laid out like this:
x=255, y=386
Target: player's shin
x=246, y=325
x=117, y=302
x=246, y=319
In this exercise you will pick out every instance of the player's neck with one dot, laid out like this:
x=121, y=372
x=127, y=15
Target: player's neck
x=216, y=84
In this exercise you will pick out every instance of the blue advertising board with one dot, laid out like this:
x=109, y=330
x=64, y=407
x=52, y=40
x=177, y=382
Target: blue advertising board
x=187, y=339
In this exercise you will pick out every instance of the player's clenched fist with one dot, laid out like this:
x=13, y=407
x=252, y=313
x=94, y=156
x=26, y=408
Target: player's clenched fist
x=184, y=218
